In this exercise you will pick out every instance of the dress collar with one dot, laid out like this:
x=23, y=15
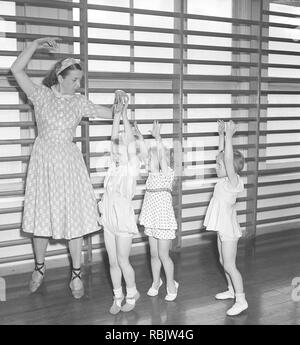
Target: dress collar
x=58, y=94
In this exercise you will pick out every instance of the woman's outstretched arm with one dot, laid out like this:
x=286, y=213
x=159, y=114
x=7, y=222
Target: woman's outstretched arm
x=97, y=111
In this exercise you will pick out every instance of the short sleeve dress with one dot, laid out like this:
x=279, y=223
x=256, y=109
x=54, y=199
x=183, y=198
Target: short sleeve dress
x=59, y=197
x=157, y=214
x=115, y=206
x=221, y=213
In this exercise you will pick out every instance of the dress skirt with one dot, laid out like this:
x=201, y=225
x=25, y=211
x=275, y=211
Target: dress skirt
x=59, y=197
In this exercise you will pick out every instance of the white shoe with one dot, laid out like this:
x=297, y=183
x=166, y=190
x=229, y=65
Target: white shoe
x=171, y=296
x=154, y=292
x=130, y=306
x=237, y=308
x=116, y=306
x=224, y=295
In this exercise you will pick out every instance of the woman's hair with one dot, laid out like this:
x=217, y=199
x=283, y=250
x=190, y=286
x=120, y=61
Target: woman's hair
x=51, y=77
x=238, y=161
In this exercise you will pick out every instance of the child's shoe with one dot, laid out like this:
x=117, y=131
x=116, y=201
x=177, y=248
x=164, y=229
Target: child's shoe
x=130, y=303
x=116, y=306
x=239, y=305
x=172, y=296
x=154, y=292
x=237, y=308
x=225, y=295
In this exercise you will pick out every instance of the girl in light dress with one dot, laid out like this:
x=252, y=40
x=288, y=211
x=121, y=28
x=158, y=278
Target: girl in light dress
x=221, y=215
x=117, y=212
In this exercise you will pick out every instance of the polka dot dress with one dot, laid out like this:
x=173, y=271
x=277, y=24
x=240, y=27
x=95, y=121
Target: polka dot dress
x=157, y=214
x=59, y=198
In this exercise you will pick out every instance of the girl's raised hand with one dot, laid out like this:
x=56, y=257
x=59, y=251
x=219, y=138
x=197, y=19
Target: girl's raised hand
x=121, y=100
x=221, y=127
x=155, y=132
x=48, y=42
x=136, y=130
x=230, y=128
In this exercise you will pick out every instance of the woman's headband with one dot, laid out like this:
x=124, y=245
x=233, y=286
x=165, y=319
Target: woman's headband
x=66, y=63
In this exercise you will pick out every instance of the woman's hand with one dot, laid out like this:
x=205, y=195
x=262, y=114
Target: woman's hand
x=221, y=127
x=47, y=42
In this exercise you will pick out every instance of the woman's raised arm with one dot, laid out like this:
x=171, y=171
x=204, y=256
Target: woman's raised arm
x=18, y=67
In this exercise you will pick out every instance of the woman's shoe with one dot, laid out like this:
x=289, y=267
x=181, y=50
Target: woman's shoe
x=77, y=293
x=128, y=306
x=172, y=296
x=115, y=308
x=34, y=284
x=154, y=292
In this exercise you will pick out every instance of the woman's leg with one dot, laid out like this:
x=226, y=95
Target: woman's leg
x=40, y=246
x=155, y=262
x=163, y=252
x=75, y=247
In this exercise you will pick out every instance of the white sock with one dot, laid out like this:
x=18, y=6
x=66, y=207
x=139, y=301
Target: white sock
x=118, y=294
x=240, y=298
x=131, y=292
x=230, y=289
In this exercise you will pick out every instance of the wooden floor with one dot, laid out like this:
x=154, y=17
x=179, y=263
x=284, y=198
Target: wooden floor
x=268, y=275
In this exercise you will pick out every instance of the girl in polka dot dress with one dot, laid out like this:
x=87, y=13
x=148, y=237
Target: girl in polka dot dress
x=157, y=216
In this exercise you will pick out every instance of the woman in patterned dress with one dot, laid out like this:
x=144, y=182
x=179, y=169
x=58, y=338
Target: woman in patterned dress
x=157, y=216
x=59, y=197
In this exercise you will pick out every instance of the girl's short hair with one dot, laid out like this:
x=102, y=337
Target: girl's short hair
x=168, y=152
x=51, y=77
x=238, y=161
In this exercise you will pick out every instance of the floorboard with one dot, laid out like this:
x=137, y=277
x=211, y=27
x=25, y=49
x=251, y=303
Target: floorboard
x=267, y=274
